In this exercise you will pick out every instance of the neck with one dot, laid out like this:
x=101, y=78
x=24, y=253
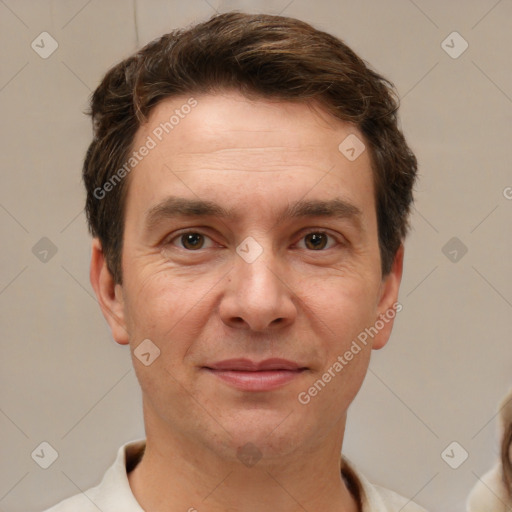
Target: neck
x=177, y=473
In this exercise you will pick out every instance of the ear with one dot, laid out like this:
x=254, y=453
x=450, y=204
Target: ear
x=388, y=305
x=108, y=293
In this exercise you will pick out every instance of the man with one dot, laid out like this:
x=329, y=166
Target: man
x=248, y=191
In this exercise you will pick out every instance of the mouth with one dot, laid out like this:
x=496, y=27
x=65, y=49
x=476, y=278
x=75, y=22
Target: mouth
x=248, y=375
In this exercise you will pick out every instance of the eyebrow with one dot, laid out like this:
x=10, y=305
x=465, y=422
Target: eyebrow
x=173, y=206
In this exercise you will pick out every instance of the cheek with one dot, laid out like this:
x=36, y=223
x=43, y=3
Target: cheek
x=170, y=310
x=346, y=304
x=153, y=304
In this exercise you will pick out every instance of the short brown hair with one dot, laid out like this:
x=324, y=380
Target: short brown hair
x=259, y=55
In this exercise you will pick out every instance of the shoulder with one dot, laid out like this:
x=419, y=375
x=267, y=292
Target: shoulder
x=489, y=493
x=373, y=498
x=113, y=493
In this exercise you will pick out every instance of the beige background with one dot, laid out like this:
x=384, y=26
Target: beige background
x=64, y=381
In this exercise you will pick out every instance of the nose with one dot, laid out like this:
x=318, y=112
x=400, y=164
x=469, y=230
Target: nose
x=258, y=296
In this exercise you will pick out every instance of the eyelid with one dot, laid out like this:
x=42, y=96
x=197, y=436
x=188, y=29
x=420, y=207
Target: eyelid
x=178, y=234
x=338, y=238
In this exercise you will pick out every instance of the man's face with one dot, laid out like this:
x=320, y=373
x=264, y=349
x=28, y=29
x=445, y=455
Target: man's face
x=291, y=271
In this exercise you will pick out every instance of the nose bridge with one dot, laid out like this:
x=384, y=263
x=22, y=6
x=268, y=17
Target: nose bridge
x=259, y=278
x=258, y=297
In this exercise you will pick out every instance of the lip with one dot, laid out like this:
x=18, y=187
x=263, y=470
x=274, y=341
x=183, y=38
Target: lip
x=252, y=366
x=249, y=375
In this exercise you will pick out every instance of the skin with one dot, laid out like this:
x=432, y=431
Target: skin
x=207, y=304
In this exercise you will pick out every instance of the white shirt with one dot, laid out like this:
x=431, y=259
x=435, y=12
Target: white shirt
x=489, y=493
x=114, y=494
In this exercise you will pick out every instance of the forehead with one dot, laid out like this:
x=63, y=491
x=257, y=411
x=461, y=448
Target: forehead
x=200, y=141
x=228, y=112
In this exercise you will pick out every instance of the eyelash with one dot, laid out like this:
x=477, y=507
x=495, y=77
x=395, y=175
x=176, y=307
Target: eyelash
x=303, y=235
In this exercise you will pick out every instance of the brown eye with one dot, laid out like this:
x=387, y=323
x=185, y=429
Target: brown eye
x=192, y=241
x=316, y=241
